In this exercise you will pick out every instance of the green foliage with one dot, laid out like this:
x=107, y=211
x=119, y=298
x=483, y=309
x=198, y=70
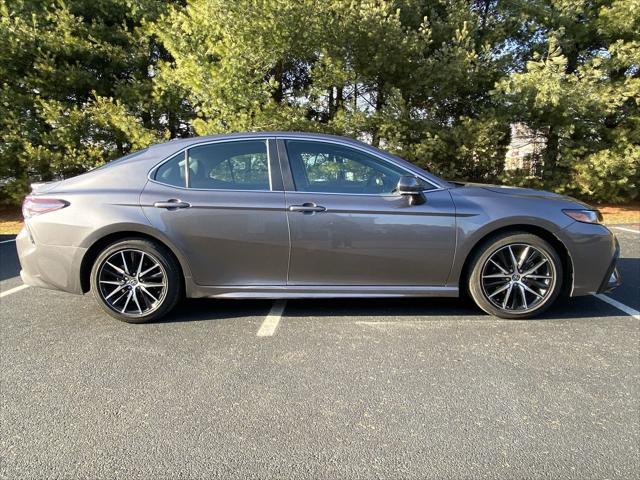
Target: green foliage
x=438, y=82
x=76, y=90
x=412, y=77
x=581, y=91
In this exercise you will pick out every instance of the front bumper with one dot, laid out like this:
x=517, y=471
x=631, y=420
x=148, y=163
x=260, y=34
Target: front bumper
x=612, y=279
x=594, y=250
x=49, y=266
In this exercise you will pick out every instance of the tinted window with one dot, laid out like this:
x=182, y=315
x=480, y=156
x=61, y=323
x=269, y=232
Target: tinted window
x=172, y=172
x=242, y=165
x=325, y=167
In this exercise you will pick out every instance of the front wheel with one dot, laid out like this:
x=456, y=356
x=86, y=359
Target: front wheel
x=136, y=280
x=515, y=275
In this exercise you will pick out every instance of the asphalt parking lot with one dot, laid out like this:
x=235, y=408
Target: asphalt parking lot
x=417, y=388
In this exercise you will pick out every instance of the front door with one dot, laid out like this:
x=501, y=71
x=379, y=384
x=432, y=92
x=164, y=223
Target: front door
x=348, y=227
x=218, y=203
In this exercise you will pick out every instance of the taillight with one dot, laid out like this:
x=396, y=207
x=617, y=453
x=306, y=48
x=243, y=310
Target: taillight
x=33, y=206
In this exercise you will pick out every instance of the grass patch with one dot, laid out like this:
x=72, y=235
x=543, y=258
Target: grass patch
x=615, y=214
x=10, y=220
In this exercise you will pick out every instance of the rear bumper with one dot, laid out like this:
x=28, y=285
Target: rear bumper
x=49, y=266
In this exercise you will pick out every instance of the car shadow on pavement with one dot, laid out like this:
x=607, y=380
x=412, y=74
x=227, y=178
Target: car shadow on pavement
x=426, y=309
x=380, y=307
x=9, y=263
x=203, y=309
x=438, y=308
x=631, y=267
x=629, y=291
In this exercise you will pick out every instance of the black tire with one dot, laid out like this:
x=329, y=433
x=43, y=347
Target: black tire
x=492, y=302
x=150, y=252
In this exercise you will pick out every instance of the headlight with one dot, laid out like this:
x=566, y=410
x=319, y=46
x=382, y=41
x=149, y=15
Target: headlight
x=585, y=216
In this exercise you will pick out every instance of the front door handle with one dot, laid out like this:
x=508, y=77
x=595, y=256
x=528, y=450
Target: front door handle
x=307, y=207
x=172, y=204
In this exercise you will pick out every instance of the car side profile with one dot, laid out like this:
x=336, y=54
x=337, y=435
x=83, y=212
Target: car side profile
x=294, y=215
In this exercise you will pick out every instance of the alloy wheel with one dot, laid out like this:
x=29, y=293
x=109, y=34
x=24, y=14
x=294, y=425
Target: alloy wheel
x=518, y=278
x=132, y=282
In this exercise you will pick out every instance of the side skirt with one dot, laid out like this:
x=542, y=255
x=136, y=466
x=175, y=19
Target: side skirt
x=319, y=291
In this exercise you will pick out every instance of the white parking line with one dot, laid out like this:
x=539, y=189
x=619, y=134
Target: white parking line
x=627, y=229
x=7, y=241
x=620, y=306
x=13, y=290
x=271, y=321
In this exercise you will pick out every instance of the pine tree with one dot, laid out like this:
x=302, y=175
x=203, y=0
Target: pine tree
x=438, y=82
x=581, y=91
x=77, y=87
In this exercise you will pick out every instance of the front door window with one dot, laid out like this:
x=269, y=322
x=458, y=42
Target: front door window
x=329, y=168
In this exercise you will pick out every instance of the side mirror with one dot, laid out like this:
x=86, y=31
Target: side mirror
x=411, y=187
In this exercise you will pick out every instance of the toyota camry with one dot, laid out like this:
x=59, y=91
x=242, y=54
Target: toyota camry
x=296, y=215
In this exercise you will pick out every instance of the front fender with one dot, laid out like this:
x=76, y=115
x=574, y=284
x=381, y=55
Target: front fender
x=478, y=217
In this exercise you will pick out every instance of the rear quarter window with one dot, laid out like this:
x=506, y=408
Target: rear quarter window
x=172, y=172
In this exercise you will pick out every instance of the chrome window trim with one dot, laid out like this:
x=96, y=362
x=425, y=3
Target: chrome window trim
x=378, y=195
x=185, y=150
x=266, y=138
x=366, y=151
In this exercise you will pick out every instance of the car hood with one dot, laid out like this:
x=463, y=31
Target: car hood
x=525, y=192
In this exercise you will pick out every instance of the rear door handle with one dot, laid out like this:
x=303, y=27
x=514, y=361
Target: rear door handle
x=172, y=204
x=307, y=207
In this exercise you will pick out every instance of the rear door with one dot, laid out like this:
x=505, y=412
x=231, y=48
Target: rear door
x=222, y=205
x=349, y=228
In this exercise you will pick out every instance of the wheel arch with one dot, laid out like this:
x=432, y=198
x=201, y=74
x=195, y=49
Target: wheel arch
x=100, y=242
x=554, y=241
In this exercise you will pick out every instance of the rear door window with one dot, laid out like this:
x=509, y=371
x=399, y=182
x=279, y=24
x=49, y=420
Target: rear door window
x=239, y=165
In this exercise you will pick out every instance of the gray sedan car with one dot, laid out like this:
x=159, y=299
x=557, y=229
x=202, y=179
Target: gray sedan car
x=293, y=215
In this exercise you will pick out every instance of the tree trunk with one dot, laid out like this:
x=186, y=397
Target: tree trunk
x=339, y=99
x=278, y=76
x=331, y=107
x=172, y=125
x=335, y=103
x=120, y=146
x=375, y=137
x=551, y=153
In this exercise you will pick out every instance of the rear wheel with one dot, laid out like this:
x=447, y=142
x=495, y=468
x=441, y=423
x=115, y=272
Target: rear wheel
x=515, y=275
x=136, y=280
